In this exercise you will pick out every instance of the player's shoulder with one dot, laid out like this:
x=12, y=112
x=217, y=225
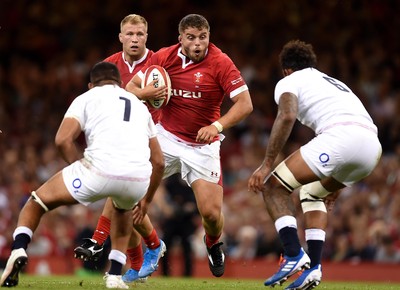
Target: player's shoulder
x=164, y=56
x=114, y=57
x=300, y=78
x=217, y=56
x=216, y=52
x=165, y=52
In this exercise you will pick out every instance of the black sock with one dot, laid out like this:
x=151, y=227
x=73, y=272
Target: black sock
x=315, y=251
x=290, y=241
x=116, y=268
x=21, y=241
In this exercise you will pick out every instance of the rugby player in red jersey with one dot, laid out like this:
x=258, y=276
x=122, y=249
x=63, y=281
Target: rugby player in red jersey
x=190, y=125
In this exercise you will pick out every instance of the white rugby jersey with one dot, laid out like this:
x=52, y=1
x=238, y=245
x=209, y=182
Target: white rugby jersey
x=323, y=101
x=117, y=127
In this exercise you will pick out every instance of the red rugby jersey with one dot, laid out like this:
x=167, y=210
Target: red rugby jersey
x=198, y=89
x=127, y=71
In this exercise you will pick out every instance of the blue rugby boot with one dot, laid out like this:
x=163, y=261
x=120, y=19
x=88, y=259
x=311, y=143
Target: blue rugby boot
x=132, y=275
x=151, y=258
x=289, y=267
x=309, y=279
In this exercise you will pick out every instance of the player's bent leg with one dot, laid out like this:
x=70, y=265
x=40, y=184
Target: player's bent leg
x=92, y=248
x=28, y=221
x=135, y=256
x=120, y=234
x=278, y=201
x=54, y=193
x=145, y=228
x=50, y=195
x=151, y=259
x=216, y=258
x=209, y=203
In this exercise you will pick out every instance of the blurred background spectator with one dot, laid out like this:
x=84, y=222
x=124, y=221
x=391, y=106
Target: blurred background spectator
x=179, y=220
x=47, y=48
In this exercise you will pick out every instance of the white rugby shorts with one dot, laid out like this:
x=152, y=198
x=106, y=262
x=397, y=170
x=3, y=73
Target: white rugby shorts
x=348, y=153
x=88, y=185
x=192, y=161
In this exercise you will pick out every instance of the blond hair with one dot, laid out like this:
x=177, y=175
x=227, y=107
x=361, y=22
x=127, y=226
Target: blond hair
x=133, y=19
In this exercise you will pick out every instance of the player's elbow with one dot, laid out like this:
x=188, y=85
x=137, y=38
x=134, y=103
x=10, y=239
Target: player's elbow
x=158, y=165
x=288, y=117
x=248, y=108
x=63, y=145
x=62, y=142
x=243, y=104
x=157, y=161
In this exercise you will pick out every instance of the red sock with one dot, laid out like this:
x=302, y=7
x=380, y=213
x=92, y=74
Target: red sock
x=152, y=241
x=210, y=240
x=135, y=256
x=102, y=230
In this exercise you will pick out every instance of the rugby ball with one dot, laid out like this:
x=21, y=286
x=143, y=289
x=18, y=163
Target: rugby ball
x=160, y=75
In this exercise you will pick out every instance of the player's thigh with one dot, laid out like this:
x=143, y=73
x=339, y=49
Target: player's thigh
x=84, y=185
x=108, y=208
x=209, y=197
x=54, y=193
x=300, y=169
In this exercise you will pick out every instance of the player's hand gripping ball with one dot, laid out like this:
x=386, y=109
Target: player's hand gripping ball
x=160, y=75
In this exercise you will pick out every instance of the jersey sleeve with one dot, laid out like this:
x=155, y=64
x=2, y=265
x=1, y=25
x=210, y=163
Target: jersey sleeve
x=77, y=111
x=285, y=85
x=230, y=77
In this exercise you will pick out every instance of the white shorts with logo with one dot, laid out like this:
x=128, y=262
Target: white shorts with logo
x=191, y=161
x=348, y=153
x=88, y=185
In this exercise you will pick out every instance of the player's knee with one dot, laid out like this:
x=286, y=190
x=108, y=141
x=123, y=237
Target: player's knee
x=284, y=177
x=211, y=215
x=311, y=197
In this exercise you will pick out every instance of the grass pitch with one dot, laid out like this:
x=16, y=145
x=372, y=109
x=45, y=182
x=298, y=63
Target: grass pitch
x=162, y=283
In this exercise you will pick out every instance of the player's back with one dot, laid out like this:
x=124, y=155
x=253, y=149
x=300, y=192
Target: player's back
x=116, y=126
x=323, y=100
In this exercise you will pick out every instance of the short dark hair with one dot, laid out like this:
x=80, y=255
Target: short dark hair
x=297, y=55
x=104, y=71
x=193, y=20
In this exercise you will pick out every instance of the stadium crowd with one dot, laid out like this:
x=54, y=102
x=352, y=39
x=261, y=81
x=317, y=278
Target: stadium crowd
x=47, y=49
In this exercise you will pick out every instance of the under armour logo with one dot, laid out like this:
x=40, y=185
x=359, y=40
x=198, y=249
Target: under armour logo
x=214, y=173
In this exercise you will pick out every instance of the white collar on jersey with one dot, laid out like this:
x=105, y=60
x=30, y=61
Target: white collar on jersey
x=132, y=67
x=184, y=57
